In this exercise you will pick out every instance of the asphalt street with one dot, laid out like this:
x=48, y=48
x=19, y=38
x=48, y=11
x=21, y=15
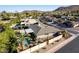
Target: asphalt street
x=72, y=47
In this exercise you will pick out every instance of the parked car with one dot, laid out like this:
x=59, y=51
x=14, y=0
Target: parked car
x=57, y=34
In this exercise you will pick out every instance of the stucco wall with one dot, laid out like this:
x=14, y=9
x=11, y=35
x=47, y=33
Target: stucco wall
x=41, y=45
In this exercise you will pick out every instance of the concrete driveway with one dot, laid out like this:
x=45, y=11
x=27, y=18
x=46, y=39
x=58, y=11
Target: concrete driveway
x=46, y=29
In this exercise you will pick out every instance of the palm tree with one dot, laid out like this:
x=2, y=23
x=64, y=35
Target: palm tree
x=22, y=37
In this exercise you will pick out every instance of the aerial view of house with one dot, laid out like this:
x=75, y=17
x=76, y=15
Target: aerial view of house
x=39, y=29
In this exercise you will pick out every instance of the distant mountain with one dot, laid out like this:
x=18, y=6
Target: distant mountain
x=28, y=11
x=68, y=8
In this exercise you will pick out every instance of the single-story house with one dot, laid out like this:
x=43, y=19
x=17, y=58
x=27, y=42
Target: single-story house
x=26, y=31
x=69, y=24
x=29, y=21
x=19, y=26
x=48, y=19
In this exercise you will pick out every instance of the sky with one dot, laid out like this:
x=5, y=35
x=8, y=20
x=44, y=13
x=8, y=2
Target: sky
x=13, y=8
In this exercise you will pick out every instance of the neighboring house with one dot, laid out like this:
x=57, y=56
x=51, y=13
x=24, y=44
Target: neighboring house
x=24, y=23
x=64, y=16
x=32, y=21
x=28, y=31
x=29, y=21
x=68, y=24
x=48, y=19
x=19, y=26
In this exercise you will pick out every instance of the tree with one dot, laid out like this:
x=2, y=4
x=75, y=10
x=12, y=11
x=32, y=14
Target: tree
x=65, y=33
x=5, y=15
x=8, y=41
x=12, y=42
x=17, y=15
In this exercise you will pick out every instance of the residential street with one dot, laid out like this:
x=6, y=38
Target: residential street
x=72, y=47
x=68, y=29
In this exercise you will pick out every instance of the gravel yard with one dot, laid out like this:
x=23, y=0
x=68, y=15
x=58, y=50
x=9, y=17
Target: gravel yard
x=48, y=47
